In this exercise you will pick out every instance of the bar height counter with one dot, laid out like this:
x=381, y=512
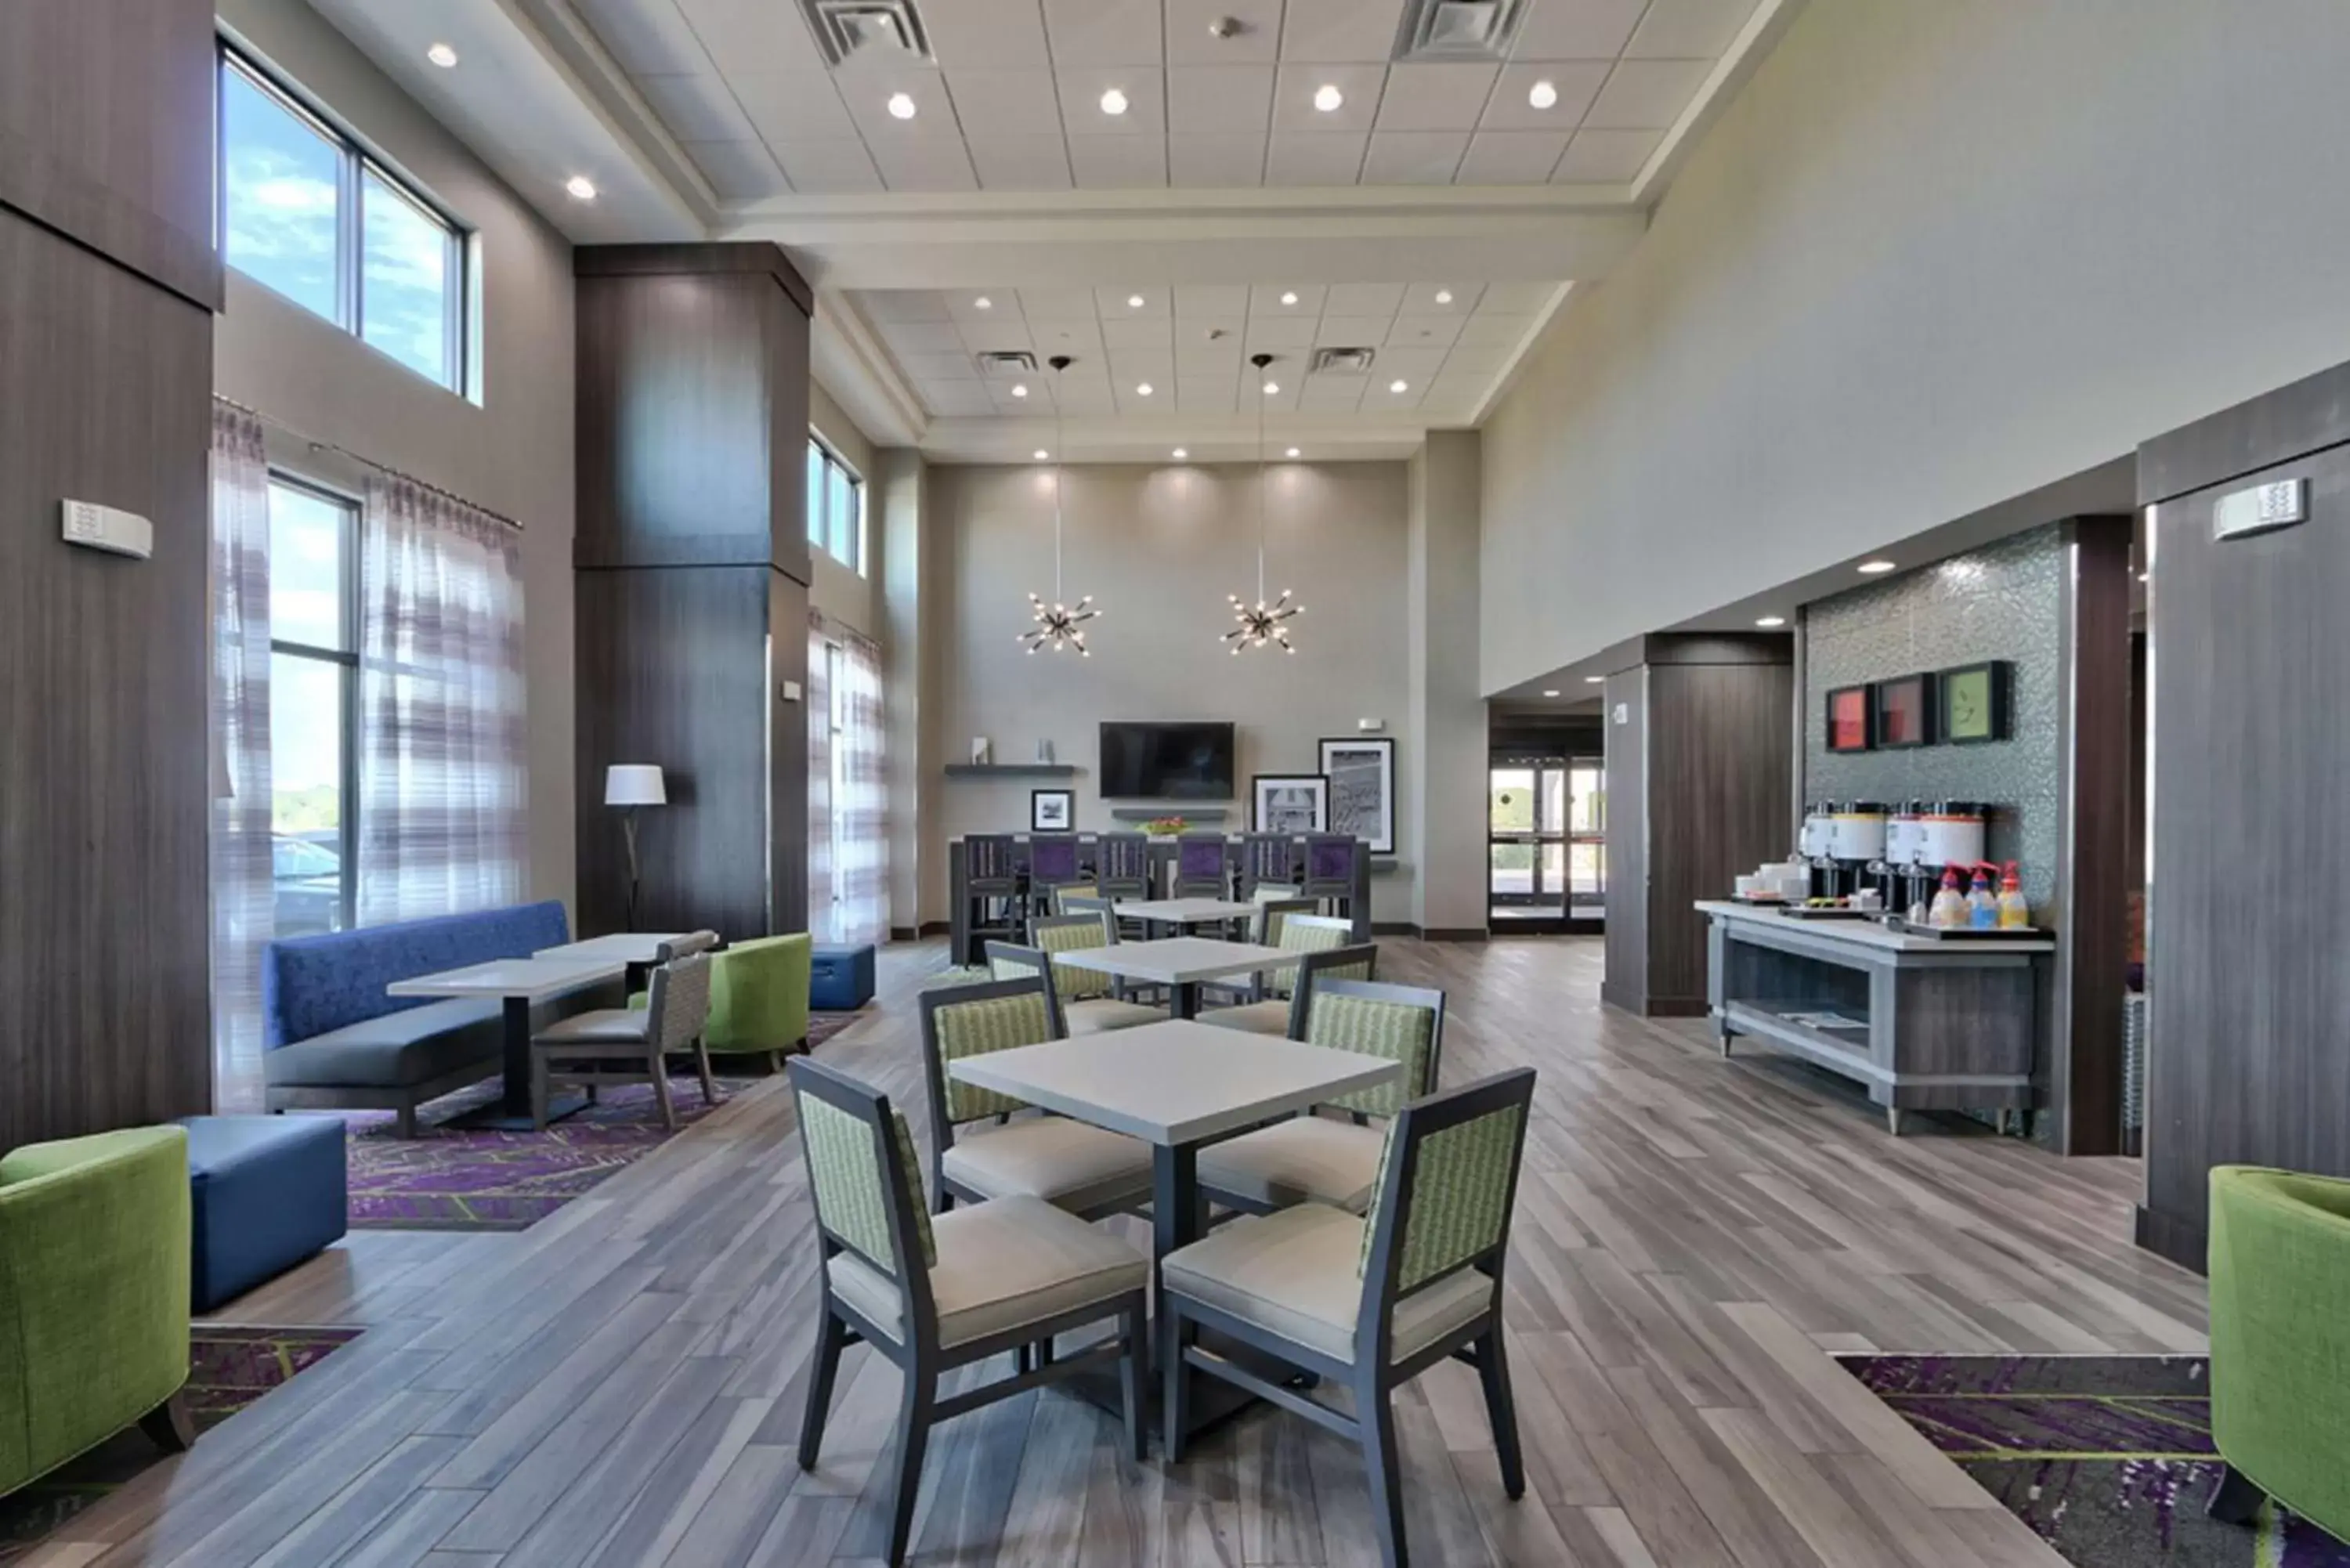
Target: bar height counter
x=1921, y=1022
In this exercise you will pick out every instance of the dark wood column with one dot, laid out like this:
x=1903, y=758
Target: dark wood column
x=107, y=286
x=691, y=571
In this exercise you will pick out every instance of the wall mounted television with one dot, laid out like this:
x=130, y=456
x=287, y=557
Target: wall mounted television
x=1166, y=761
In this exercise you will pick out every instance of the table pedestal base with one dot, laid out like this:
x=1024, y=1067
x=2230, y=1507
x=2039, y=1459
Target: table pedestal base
x=495, y=1117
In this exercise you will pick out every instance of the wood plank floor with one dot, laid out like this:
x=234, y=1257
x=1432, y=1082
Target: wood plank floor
x=621, y=1385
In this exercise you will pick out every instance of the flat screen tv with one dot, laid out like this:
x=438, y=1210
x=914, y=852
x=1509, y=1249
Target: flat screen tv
x=1166, y=761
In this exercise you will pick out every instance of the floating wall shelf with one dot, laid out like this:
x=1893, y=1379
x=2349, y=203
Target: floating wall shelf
x=1011, y=770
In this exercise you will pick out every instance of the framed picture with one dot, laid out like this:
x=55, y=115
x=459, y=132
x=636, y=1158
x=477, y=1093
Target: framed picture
x=1289, y=803
x=1362, y=789
x=1052, y=810
x=1851, y=720
x=1904, y=712
x=1975, y=703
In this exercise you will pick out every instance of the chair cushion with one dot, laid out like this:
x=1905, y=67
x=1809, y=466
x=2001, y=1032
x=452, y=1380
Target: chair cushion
x=414, y=1045
x=1066, y=1163
x=1256, y=1017
x=1306, y=1158
x=1293, y=1274
x=1002, y=1263
x=1104, y=1014
x=602, y=1026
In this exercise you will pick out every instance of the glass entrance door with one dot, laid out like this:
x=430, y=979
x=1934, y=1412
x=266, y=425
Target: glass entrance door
x=1548, y=843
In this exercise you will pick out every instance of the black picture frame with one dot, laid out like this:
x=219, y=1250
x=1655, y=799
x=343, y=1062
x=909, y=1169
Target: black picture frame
x=1038, y=821
x=1868, y=740
x=1379, y=832
x=1924, y=701
x=1318, y=784
x=1958, y=685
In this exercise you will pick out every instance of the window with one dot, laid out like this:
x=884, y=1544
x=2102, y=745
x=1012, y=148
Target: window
x=836, y=507
x=313, y=703
x=307, y=212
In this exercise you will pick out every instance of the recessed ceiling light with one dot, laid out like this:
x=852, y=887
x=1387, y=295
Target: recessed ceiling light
x=1041, y=454
x=1399, y=385
x=1289, y=298
x=983, y=303
x=1551, y=691
x=1113, y=102
x=1542, y=94
x=1328, y=98
x=1271, y=388
x=442, y=55
x=1019, y=389
x=1594, y=681
x=902, y=105
x=1180, y=454
x=1142, y=390
x=1768, y=621
x=1876, y=568
x=1133, y=302
x=582, y=188
x=1292, y=451
x=1443, y=297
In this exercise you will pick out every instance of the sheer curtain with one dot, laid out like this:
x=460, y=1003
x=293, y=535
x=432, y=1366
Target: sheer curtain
x=244, y=910
x=860, y=872
x=819, y=793
x=440, y=734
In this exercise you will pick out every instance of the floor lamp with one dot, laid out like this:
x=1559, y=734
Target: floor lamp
x=630, y=786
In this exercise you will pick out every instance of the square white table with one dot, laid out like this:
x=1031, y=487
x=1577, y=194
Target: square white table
x=1179, y=964
x=520, y=983
x=1182, y=913
x=1176, y=1085
x=629, y=947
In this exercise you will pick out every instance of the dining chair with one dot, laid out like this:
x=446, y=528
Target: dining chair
x=1287, y=1015
x=688, y=943
x=1086, y=1170
x=1331, y=1153
x=1303, y=933
x=1267, y=860
x=629, y=1044
x=1330, y=869
x=992, y=883
x=1077, y=897
x=1053, y=864
x=1273, y=906
x=1200, y=866
x=1084, y=1000
x=1122, y=865
x=930, y=1295
x=1370, y=1301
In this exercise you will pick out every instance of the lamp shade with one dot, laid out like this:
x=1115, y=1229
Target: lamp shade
x=634, y=783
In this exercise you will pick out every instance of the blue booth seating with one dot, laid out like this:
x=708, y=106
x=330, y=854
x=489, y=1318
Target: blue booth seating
x=333, y=1038
x=267, y=1192
x=840, y=978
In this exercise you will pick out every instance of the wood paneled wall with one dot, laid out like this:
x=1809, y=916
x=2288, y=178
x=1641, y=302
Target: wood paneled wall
x=2248, y=965
x=107, y=287
x=691, y=563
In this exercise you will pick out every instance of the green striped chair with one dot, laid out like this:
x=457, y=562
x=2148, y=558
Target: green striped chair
x=1287, y=1015
x=1086, y=999
x=1305, y=934
x=1331, y=1155
x=1372, y=1301
x=985, y=1148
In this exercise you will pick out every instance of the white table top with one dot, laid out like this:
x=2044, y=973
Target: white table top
x=629, y=947
x=534, y=979
x=1174, y=1083
x=1181, y=911
x=1176, y=961
x=1868, y=933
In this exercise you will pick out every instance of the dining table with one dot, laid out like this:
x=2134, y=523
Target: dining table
x=1177, y=1087
x=1181, y=965
x=1183, y=914
x=521, y=984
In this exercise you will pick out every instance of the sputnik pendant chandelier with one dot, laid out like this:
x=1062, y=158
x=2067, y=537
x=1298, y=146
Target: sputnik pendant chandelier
x=1057, y=622
x=1260, y=622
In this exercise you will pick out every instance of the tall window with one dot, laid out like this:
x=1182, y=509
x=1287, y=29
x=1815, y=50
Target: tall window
x=836, y=507
x=305, y=210
x=313, y=678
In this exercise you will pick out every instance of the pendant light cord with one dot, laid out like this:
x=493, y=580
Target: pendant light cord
x=1060, y=474
x=1261, y=481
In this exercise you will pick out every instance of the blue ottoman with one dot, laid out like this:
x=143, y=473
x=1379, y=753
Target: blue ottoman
x=268, y=1192
x=840, y=978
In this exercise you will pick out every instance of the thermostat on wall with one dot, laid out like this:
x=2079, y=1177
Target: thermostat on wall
x=104, y=528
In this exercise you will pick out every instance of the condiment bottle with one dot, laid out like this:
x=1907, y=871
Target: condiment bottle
x=2014, y=914
x=1949, y=907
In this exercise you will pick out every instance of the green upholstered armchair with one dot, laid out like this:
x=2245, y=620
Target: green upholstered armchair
x=759, y=997
x=94, y=1241
x=2279, y=1265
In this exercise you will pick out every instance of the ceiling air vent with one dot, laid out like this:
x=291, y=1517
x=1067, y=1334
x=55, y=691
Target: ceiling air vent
x=1458, y=29
x=1342, y=361
x=1007, y=362
x=887, y=31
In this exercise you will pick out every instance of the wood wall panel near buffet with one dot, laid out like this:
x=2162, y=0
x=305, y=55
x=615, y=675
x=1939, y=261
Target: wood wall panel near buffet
x=105, y=382
x=691, y=566
x=2247, y=963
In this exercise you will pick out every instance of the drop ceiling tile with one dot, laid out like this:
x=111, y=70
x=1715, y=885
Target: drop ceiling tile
x=1082, y=86
x=1117, y=163
x=1381, y=396
x=1605, y=156
x=987, y=34
x=887, y=307
x=1131, y=367
x=1001, y=399
x=1441, y=298
x=1435, y=98
x=1130, y=400
x=1474, y=359
x=1156, y=333
x=939, y=367
x=867, y=92
x=1483, y=328
x=1219, y=101
x=1188, y=42
x=1265, y=299
x=1293, y=97
x=1271, y=334
x=1413, y=365
x=735, y=31
x=1687, y=29
x=1333, y=394
x=1021, y=163
x=1087, y=398
x=1080, y=339
x=647, y=36
x=1195, y=353
x=1118, y=304
x=1645, y=95
x=923, y=337
x=1414, y=157
x=697, y=109
x=1516, y=298
x=1577, y=29
x=1207, y=394
x=1286, y=378
x=1306, y=159
x=1216, y=160
x=1058, y=305
x=957, y=399
x=1334, y=331
x=1576, y=82
x=739, y=170
x=1424, y=331
x=801, y=106
x=1004, y=103
x=1003, y=311
x=828, y=167
x=1323, y=31
x=1211, y=301
x=1363, y=299
x=998, y=337
x=1103, y=32
x=926, y=161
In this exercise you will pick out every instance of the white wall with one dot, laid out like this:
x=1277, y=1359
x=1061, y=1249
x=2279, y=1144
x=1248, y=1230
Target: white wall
x=1159, y=549
x=1936, y=254
x=1447, y=794
x=512, y=453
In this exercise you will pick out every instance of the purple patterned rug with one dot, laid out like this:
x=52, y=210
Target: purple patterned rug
x=2109, y=1457
x=229, y=1368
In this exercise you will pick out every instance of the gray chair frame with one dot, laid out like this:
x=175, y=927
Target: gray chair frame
x=1373, y=1375
x=1310, y=965
x=919, y=1356
x=991, y=875
x=636, y=1064
x=1267, y=860
x=1122, y=865
x=1200, y=887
